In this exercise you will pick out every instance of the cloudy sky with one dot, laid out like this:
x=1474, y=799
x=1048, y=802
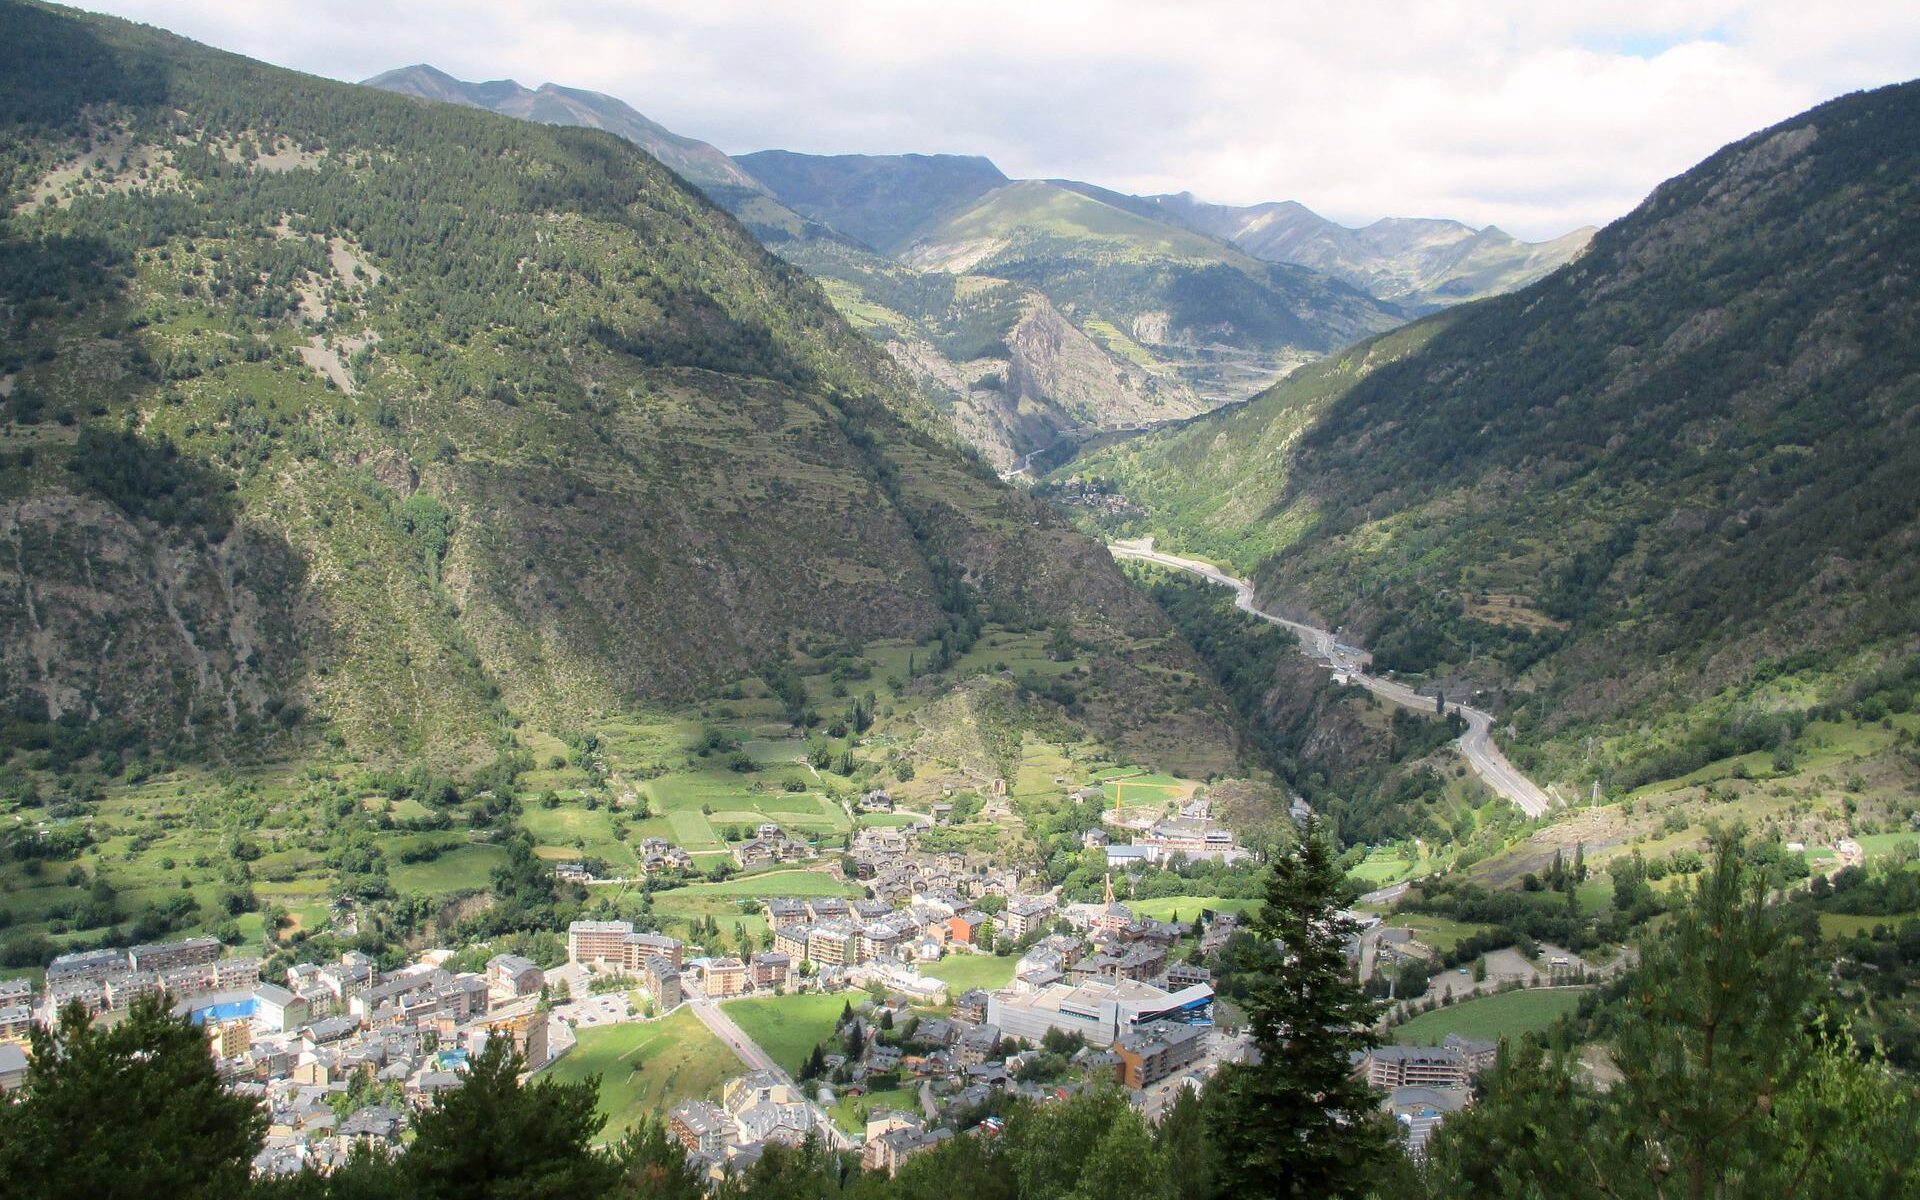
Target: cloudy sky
x=1535, y=115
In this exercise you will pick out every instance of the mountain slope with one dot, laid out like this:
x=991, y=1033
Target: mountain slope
x=327, y=407
x=881, y=200
x=1220, y=322
x=550, y=104
x=1024, y=376
x=1005, y=367
x=1679, y=466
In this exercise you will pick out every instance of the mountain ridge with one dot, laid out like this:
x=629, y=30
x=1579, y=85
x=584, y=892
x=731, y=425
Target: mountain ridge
x=553, y=104
x=1632, y=492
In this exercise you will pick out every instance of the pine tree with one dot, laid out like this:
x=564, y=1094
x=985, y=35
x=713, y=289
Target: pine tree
x=653, y=1166
x=1298, y=1123
x=131, y=1109
x=1187, y=1146
x=493, y=1137
x=1724, y=1091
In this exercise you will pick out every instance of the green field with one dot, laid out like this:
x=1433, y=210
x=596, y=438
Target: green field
x=788, y=1027
x=850, y=1112
x=694, y=805
x=677, y=911
x=1187, y=908
x=784, y=882
x=1385, y=865
x=1438, y=932
x=648, y=1067
x=1490, y=1018
x=1877, y=846
x=572, y=831
x=460, y=869
x=732, y=902
x=1845, y=925
x=963, y=972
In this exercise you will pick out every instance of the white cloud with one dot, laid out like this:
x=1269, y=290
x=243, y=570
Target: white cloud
x=1538, y=117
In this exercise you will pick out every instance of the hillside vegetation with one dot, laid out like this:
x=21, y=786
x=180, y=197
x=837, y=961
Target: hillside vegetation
x=1669, y=492
x=330, y=412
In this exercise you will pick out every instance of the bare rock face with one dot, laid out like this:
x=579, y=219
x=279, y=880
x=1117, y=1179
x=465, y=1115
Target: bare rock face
x=1052, y=358
x=1053, y=381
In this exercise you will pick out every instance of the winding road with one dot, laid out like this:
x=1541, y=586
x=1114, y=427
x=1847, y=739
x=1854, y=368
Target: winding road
x=1475, y=745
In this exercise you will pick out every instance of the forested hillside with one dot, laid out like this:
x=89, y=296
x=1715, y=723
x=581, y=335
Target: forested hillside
x=334, y=413
x=1682, y=471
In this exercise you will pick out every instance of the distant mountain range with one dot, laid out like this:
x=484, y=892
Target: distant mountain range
x=1418, y=263
x=1036, y=311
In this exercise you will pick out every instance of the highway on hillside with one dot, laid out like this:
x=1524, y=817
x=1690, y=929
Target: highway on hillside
x=1475, y=745
x=749, y=1052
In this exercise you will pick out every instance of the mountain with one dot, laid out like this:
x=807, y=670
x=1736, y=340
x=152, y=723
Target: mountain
x=1419, y=264
x=1218, y=321
x=340, y=419
x=550, y=104
x=1005, y=367
x=881, y=201
x=1024, y=375
x=1035, y=313
x=1667, y=495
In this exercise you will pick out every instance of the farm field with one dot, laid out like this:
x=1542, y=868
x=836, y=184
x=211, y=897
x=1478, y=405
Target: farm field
x=732, y=902
x=169, y=843
x=788, y=1027
x=1877, y=846
x=648, y=1067
x=1489, y=1018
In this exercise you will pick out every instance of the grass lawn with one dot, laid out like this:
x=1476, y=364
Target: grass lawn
x=850, y=1112
x=771, y=883
x=788, y=1027
x=1439, y=932
x=1878, y=845
x=460, y=869
x=648, y=1067
x=1490, y=1017
x=1845, y=925
x=1595, y=896
x=1383, y=867
x=1187, y=908
x=963, y=972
